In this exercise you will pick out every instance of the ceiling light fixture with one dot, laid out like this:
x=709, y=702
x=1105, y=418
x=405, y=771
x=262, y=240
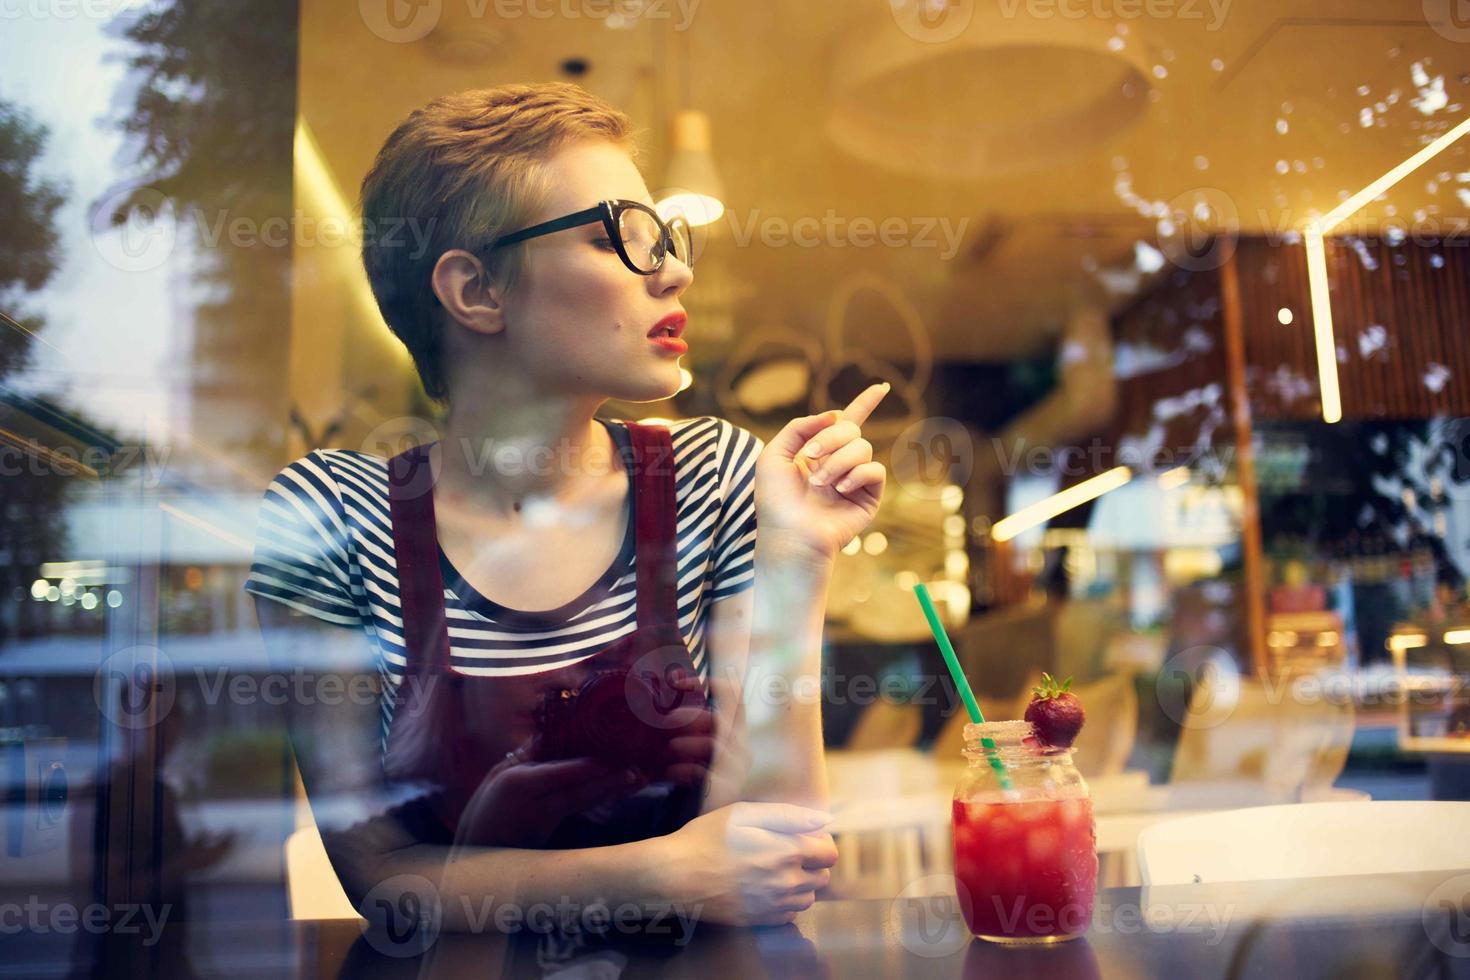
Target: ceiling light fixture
x=694, y=188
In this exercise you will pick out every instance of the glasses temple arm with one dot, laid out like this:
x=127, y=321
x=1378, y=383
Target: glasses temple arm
x=547, y=227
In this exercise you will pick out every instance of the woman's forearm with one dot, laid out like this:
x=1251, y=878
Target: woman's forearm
x=783, y=691
x=480, y=885
x=494, y=889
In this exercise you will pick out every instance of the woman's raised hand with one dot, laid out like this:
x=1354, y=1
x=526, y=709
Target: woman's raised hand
x=816, y=484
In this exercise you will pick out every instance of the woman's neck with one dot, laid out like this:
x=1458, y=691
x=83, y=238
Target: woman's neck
x=497, y=456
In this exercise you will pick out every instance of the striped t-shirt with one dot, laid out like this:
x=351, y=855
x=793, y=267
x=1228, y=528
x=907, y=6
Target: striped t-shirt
x=324, y=546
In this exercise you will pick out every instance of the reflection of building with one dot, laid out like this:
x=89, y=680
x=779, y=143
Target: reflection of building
x=196, y=548
x=146, y=539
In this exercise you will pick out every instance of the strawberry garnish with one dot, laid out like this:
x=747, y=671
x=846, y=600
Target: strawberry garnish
x=1055, y=712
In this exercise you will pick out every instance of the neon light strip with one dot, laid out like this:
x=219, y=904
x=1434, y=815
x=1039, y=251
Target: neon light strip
x=1345, y=210
x=1322, y=325
x=1313, y=237
x=1059, y=503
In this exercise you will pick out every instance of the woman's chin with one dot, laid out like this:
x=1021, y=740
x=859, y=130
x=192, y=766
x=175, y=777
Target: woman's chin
x=654, y=387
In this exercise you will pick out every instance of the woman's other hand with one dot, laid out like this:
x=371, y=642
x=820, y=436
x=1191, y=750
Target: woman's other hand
x=521, y=802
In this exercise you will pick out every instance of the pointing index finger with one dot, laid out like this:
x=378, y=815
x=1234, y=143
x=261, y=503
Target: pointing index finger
x=862, y=406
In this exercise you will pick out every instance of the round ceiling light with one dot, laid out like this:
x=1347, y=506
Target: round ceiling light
x=1006, y=95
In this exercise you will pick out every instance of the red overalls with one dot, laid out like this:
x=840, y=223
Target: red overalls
x=503, y=737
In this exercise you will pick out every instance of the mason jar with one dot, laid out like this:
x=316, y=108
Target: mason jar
x=1025, y=847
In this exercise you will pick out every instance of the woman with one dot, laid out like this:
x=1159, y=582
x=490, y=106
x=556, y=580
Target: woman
x=562, y=741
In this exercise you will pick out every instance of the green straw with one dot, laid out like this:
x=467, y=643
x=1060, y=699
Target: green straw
x=960, y=683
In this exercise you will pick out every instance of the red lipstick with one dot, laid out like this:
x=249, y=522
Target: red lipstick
x=666, y=333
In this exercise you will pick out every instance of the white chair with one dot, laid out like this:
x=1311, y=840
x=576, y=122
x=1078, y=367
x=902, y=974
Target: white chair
x=1106, y=741
x=886, y=725
x=1306, y=840
x=311, y=884
x=1248, y=731
x=888, y=844
x=312, y=887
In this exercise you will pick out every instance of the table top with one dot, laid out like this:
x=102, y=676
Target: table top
x=1396, y=925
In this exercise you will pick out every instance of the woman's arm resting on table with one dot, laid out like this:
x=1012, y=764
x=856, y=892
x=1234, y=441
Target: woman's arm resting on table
x=756, y=863
x=337, y=745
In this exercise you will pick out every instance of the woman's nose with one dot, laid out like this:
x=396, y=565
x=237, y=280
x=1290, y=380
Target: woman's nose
x=672, y=278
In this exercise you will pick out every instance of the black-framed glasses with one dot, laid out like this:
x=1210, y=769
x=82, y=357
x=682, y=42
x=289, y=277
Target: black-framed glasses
x=642, y=238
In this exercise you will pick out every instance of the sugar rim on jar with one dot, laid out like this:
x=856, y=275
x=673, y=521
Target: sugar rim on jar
x=1007, y=739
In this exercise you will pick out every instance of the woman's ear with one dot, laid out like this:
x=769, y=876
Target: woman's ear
x=465, y=290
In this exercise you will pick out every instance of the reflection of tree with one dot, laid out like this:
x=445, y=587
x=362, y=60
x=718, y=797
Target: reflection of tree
x=212, y=115
x=29, y=247
x=30, y=528
x=1370, y=488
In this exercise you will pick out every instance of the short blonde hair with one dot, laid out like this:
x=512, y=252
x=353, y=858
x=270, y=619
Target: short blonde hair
x=458, y=173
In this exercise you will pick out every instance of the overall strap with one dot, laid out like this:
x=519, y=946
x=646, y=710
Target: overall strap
x=416, y=551
x=654, y=510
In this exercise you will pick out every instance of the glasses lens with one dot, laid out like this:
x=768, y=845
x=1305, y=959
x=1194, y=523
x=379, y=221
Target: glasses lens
x=683, y=240
x=642, y=239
